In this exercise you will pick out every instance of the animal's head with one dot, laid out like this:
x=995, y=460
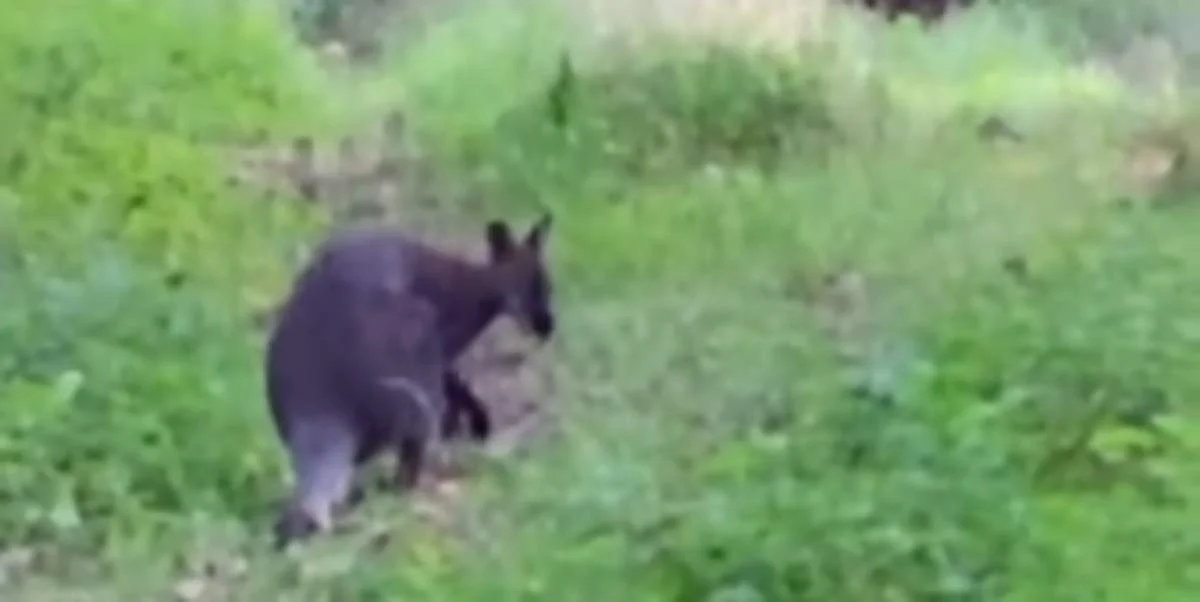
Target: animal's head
x=523, y=278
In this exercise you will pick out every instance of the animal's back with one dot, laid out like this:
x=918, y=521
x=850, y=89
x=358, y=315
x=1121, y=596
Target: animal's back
x=352, y=341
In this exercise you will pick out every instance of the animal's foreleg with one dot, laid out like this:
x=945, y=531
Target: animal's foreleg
x=461, y=400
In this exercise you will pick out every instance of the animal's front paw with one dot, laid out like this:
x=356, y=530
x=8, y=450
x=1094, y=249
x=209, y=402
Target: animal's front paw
x=481, y=427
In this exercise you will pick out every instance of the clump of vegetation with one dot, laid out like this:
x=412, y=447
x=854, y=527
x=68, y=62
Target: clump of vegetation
x=706, y=108
x=128, y=258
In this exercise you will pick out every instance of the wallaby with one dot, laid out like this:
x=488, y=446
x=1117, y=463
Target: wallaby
x=361, y=356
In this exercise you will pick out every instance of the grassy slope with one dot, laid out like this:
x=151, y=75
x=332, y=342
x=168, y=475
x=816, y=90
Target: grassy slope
x=710, y=448
x=695, y=296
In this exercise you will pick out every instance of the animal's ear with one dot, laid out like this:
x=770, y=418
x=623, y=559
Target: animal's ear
x=536, y=238
x=499, y=238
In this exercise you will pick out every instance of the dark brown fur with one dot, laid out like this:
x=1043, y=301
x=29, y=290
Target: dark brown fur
x=929, y=11
x=360, y=358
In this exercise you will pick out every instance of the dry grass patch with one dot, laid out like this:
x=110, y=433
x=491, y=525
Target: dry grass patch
x=756, y=24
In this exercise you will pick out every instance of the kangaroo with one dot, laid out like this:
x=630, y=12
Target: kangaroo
x=360, y=358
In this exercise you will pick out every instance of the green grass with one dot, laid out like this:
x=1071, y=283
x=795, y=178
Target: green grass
x=728, y=426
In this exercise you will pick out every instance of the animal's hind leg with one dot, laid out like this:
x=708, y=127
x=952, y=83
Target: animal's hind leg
x=412, y=453
x=322, y=452
x=361, y=485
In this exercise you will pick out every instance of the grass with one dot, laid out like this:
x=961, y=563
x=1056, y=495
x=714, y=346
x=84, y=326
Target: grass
x=821, y=338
